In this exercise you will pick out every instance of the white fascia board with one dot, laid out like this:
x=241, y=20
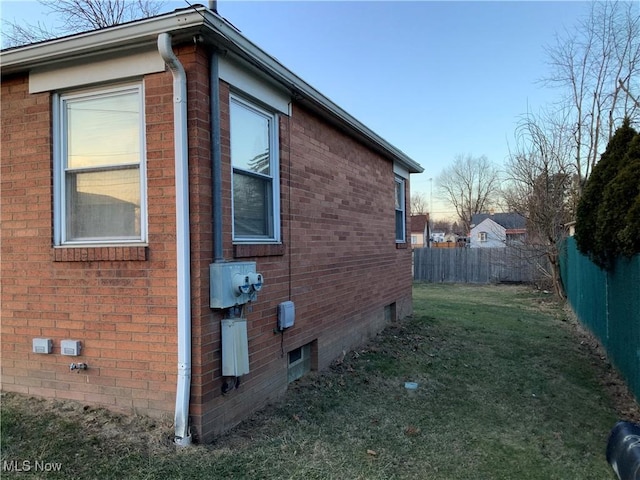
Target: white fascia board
x=191, y=22
x=132, y=35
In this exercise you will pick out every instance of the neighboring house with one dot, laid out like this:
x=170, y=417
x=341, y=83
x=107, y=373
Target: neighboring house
x=497, y=230
x=419, y=231
x=438, y=237
x=158, y=175
x=451, y=237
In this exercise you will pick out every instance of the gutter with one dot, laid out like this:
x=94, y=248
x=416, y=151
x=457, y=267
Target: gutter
x=183, y=25
x=183, y=258
x=236, y=42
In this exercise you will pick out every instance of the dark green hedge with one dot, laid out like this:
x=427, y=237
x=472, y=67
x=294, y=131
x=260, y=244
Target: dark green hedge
x=608, y=213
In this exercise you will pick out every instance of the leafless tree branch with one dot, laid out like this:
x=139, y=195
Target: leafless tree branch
x=471, y=185
x=598, y=66
x=76, y=16
x=419, y=204
x=541, y=185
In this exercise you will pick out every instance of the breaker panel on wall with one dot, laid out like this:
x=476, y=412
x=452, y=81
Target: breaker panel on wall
x=233, y=284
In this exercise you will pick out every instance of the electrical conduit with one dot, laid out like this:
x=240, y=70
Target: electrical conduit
x=181, y=421
x=216, y=160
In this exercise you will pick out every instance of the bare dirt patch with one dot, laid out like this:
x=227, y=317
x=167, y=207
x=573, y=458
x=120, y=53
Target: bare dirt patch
x=101, y=423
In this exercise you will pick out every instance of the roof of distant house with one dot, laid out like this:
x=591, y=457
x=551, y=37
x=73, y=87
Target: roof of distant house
x=506, y=220
x=418, y=222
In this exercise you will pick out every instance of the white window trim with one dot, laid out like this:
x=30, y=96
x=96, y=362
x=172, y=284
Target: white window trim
x=274, y=160
x=59, y=152
x=401, y=181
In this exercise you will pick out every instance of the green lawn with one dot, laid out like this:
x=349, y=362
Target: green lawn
x=505, y=391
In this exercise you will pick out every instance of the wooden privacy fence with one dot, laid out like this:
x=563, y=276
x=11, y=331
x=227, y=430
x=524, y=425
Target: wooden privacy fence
x=477, y=265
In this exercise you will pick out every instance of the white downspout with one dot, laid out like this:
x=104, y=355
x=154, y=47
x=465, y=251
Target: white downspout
x=183, y=259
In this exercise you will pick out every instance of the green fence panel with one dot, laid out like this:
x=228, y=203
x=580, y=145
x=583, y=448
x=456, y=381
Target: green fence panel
x=623, y=344
x=608, y=304
x=586, y=288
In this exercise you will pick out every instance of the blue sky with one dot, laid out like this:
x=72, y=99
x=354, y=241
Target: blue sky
x=435, y=79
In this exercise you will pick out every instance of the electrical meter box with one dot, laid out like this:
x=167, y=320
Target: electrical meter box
x=233, y=283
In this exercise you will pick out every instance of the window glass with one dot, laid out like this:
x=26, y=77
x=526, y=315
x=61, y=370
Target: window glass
x=249, y=139
x=255, y=166
x=93, y=215
x=251, y=202
x=100, y=190
x=103, y=130
x=400, y=210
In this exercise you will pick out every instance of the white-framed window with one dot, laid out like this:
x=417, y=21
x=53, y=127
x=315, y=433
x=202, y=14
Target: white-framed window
x=99, y=166
x=256, y=184
x=400, y=211
x=482, y=236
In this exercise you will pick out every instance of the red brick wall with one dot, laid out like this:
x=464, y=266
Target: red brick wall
x=338, y=262
x=119, y=302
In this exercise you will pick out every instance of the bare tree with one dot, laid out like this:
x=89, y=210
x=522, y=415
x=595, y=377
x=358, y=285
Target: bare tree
x=419, y=204
x=78, y=16
x=471, y=185
x=598, y=65
x=442, y=226
x=541, y=187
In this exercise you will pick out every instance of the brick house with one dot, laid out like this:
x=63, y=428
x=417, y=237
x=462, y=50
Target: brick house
x=150, y=172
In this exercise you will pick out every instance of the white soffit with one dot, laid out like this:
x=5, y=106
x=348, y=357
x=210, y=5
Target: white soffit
x=245, y=81
x=90, y=72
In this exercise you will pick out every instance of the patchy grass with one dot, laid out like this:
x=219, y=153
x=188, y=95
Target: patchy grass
x=507, y=390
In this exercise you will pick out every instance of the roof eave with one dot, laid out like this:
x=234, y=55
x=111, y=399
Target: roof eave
x=132, y=35
x=242, y=46
x=182, y=25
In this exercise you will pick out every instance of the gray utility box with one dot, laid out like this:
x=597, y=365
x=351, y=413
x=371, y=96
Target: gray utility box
x=233, y=283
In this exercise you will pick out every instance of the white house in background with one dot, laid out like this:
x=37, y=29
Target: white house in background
x=438, y=236
x=497, y=230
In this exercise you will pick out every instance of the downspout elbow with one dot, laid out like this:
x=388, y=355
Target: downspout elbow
x=183, y=258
